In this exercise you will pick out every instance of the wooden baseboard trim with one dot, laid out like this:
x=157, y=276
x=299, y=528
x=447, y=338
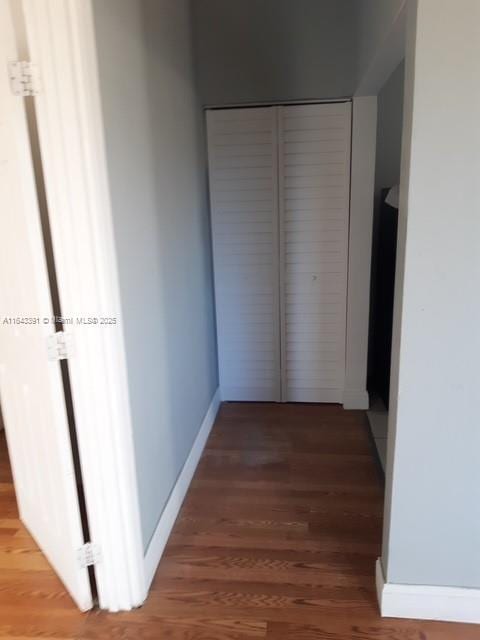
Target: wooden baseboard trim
x=424, y=602
x=174, y=503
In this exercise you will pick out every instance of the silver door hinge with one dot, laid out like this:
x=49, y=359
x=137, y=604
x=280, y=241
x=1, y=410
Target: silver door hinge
x=89, y=555
x=24, y=78
x=60, y=346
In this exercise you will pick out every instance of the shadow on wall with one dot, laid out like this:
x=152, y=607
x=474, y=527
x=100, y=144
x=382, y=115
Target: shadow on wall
x=275, y=49
x=161, y=226
x=387, y=174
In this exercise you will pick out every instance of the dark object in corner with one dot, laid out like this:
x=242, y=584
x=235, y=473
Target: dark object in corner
x=385, y=287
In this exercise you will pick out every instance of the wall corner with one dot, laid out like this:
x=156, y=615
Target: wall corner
x=362, y=185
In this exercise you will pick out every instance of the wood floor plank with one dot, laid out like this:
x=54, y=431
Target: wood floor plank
x=276, y=540
x=381, y=629
x=245, y=553
x=120, y=626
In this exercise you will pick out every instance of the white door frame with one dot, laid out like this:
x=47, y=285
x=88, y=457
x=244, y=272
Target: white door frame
x=61, y=41
x=362, y=186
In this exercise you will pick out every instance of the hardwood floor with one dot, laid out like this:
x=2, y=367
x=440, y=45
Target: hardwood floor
x=277, y=539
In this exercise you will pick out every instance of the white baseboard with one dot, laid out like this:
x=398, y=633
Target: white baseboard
x=422, y=602
x=355, y=399
x=170, y=512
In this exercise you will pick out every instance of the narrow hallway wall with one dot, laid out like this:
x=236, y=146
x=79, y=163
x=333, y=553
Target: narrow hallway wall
x=157, y=172
x=432, y=520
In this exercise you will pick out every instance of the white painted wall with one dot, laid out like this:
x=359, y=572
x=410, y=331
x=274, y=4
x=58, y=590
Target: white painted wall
x=270, y=50
x=273, y=50
x=364, y=124
x=155, y=153
x=380, y=42
x=432, y=513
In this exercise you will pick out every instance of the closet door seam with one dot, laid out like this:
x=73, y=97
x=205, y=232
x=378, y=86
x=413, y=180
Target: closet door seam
x=243, y=176
x=281, y=254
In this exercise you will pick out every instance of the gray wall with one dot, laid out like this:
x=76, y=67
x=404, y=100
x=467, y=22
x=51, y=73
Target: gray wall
x=375, y=19
x=269, y=50
x=432, y=500
x=273, y=50
x=389, y=131
x=158, y=190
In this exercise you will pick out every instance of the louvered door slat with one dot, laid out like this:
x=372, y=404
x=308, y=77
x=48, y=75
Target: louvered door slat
x=243, y=169
x=314, y=170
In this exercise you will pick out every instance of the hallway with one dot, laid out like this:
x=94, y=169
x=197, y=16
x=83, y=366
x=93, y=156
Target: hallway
x=279, y=533
x=277, y=539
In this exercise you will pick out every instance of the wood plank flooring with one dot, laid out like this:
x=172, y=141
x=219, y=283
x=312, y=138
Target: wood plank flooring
x=277, y=539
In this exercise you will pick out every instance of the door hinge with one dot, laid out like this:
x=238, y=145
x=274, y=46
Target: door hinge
x=89, y=555
x=24, y=78
x=60, y=346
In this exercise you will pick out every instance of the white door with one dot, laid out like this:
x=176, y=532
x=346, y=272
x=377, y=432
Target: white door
x=243, y=167
x=31, y=388
x=314, y=177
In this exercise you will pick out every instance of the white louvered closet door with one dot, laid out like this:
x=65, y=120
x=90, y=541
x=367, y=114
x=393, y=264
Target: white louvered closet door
x=314, y=179
x=243, y=168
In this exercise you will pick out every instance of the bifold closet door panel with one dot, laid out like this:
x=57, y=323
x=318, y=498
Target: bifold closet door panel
x=243, y=169
x=314, y=179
